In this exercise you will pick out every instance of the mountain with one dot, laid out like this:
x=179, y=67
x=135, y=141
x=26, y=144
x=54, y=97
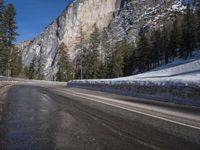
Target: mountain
x=118, y=18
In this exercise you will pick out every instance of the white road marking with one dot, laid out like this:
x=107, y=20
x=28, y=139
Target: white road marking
x=87, y=96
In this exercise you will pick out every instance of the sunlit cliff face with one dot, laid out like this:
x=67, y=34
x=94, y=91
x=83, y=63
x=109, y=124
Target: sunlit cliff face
x=120, y=18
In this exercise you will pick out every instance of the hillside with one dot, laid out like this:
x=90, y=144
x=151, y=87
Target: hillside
x=119, y=19
x=177, y=82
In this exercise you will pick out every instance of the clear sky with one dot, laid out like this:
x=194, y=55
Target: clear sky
x=34, y=15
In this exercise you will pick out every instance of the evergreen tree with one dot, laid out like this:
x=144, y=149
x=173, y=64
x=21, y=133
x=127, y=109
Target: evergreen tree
x=26, y=71
x=34, y=71
x=89, y=63
x=39, y=66
x=16, y=63
x=107, y=55
x=65, y=71
x=93, y=63
x=11, y=24
x=188, y=37
x=95, y=56
x=11, y=34
x=128, y=49
x=2, y=25
x=3, y=55
x=31, y=69
x=142, y=53
x=156, y=47
x=165, y=46
x=174, y=43
x=198, y=23
x=118, y=61
x=122, y=63
x=79, y=61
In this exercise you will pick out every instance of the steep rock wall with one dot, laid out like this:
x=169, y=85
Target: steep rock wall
x=120, y=18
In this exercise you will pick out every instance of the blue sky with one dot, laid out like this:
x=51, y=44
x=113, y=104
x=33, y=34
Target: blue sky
x=34, y=15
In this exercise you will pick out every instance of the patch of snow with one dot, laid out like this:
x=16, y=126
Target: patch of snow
x=178, y=6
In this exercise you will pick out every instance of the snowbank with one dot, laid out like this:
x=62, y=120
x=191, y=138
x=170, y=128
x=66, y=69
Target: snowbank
x=5, y=80
x=41, y=82
x=178, y=83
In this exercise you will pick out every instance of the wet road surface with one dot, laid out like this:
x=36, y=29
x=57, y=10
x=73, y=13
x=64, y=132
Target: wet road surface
x=40, y=118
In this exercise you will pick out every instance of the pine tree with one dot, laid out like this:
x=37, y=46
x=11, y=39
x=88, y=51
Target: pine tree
x=165, y=44
x=26, y=71
x=34, y=71
x=175, y=38
x=2, y=25
x=128, y=49
x=3, y=55
x=188, y=37
x=95, y=41
x=79, y=62
x=122, y=63
x=156, y=47
x=198, y=23
x=10, y=34
x=10, y=59
x=142, y=53
x=38, y=75
x=31, y=69
x=107, y=55
x=65, y=71
x=118, y=61
x=92, y=62
x=16, y=63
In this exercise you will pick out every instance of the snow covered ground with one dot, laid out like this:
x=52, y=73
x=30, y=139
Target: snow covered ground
x=185, y=74
x=179, y=71
x=178, y=82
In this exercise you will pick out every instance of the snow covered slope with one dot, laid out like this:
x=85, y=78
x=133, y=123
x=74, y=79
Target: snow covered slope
x=179, y=71
x=188, y=73
x=177, y=82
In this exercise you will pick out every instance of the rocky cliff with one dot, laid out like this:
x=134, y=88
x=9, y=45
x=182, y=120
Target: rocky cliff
x=119, y=18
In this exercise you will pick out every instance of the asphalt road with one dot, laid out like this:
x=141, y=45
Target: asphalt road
x=48, y=118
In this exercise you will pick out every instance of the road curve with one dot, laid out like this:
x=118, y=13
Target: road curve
x=42, y=118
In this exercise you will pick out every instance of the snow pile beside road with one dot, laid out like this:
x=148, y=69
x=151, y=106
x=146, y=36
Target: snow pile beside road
x=4, y=83
x=178, y=83
x=41, y=82
x=5, y=80
x=186, y=74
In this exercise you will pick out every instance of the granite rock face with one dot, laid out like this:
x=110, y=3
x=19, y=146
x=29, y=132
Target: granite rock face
x=120, y=18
